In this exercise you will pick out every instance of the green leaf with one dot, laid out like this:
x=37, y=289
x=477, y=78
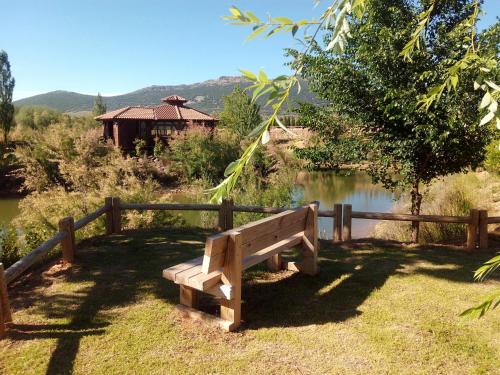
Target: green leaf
x=487, y=118
x=487, y=268
x=257, y=129
x=256, y=92
x=493, y=106
x=266, y=137
x=257, y=31
x=284, y=20
x=253, y=17
x=249, y=75
x=235, y=12
x=231, y=167
x=280, y=124
x=485, y=101
x=454, y=81
x=263, y=77
x=492, y=85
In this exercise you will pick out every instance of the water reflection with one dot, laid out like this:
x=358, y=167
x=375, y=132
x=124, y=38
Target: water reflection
x=353, y=188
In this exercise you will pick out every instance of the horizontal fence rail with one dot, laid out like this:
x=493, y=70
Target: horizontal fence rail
x=84, y=221
x=23, y=264
x=18, y=268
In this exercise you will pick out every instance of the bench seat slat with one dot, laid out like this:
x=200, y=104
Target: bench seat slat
x=170, y=272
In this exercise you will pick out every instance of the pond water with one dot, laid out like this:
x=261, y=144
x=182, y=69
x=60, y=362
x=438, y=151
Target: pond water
x=8, y=209
x=326, y=187
x=356, y=189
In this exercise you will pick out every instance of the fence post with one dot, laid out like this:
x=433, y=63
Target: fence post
x=222, y=216
x=225, y=215
x=117, y=215
x=483, y=229
x=337, y=223
x=5, y=312
x=108, y=203
x=347, y=221
x=67, y=225
x=229, y=214
x=472, y=229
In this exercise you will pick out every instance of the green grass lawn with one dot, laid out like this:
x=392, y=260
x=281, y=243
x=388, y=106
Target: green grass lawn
x=374, y=308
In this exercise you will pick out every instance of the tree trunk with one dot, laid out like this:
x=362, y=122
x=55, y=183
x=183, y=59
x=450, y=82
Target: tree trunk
x=416, y=202
x=5, y=137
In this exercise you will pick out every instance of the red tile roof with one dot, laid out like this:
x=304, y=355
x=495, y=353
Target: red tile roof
x=174, y=98
x=175, y=110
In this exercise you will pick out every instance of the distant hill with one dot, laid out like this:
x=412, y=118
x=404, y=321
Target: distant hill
x=205, y=96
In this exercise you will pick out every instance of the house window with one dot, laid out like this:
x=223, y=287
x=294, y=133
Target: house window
x=163, y=129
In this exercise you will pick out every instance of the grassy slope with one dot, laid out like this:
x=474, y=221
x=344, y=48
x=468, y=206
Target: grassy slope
x=371, y=310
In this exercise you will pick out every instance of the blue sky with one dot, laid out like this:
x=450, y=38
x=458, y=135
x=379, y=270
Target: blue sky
x=120, y=46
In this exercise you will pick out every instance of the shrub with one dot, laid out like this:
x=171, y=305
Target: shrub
x=201, y=153
x=9, y=248
x=492, y=162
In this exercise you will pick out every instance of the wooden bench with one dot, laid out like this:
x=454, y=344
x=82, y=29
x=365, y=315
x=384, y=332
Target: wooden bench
x=218, y=272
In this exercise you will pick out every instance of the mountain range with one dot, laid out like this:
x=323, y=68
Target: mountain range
x=206, y=96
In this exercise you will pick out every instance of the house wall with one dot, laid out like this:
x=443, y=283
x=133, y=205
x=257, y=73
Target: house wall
x=125, y=132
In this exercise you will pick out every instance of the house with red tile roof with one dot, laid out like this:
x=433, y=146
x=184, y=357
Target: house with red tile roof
x=162, y=122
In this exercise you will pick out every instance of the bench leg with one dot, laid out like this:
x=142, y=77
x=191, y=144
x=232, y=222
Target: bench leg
x=230, y=311
x=274, y=263
x=188, y=296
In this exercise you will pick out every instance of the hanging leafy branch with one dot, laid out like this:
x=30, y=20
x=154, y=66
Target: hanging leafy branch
x=278, y=90
x=471, y=60
x=493, y=299
x=419, y=34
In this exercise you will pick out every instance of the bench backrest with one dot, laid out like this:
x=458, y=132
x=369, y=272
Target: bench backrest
x=258, y=235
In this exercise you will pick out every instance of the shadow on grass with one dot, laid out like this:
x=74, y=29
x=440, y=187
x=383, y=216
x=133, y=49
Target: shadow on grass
x=115, y=271
x=348, y=275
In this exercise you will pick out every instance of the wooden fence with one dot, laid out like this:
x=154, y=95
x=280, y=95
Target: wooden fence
x=477, y=231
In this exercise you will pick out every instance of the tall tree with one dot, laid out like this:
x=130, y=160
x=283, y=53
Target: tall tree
x=99, y=106
x=240, y=114
x=7, y=83
x=369, y=84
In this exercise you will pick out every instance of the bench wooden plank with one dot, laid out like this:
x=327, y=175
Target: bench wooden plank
x=184, y=276
x=270, y=225
x=230, y=310
x=203, y=281
x=215, y=251
x=254, y=236
x=264, y=241
x=170, y=272
x=268, y=252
